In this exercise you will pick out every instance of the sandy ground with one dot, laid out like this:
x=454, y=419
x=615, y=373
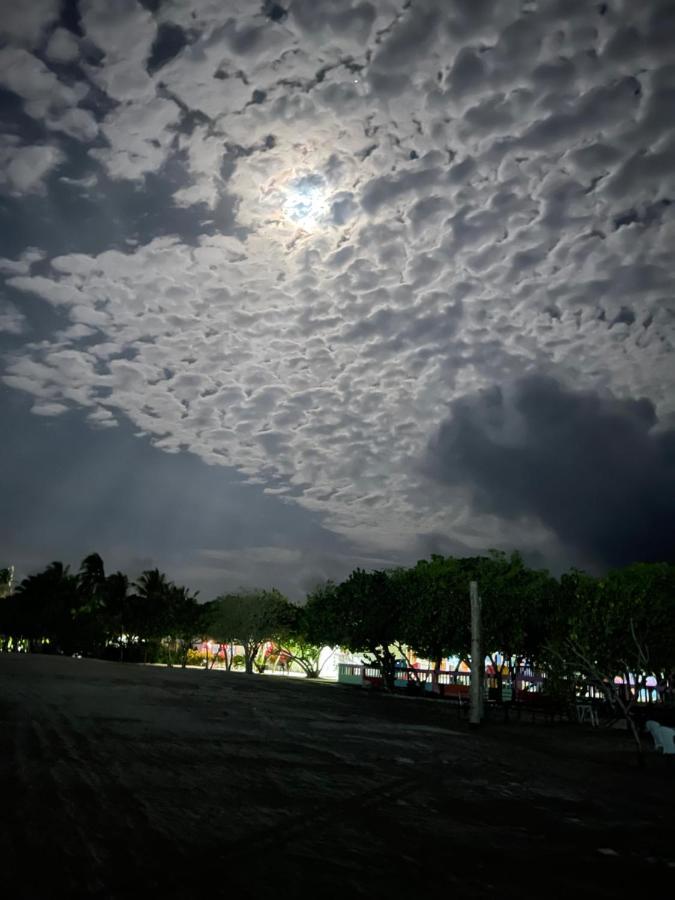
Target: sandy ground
x=124, y=781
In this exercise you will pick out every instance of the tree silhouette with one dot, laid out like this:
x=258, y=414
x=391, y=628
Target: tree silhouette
x=116, y=609
x=149, y=607
x=249, y=618
x=91, y=579
x=184, y=621
x=46, y=606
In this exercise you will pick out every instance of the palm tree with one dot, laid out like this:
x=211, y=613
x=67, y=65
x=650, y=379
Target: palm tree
x=47, y=601
x=116, y=592
x=184, y=620
x=150, y=615
x=152, y=584
x=91, y=580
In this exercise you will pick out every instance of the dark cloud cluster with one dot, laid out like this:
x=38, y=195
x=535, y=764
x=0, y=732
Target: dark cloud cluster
x=594, y=469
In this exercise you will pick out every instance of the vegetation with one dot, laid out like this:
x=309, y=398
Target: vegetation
x=6, y=581
x=56, y=611
x=248, y=619
x=608, y=634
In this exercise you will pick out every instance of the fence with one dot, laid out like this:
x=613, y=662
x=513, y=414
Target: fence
x=526, y=683
x=645, y=693
x=455, y=684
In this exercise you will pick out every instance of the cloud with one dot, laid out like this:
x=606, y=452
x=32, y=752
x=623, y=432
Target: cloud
x=11, y=320
x=45, y=97
x=63, y=46
x=124, y=33
x=344, y=20
x=412, y=34
x=55, y=293
x=25, y=23
x=24, y=168
x=254, y=555
x=48, y=409
x=24, y=74
x=139, y=138
x=592, y=468
x=22, y=265
x=492, y=194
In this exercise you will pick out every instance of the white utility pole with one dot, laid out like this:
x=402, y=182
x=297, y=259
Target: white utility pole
x=476, y=689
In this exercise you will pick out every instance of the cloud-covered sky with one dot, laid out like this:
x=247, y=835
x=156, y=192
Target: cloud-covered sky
x=291, y=287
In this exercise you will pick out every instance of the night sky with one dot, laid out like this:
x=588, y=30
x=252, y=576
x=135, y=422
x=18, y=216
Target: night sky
x=291, y=288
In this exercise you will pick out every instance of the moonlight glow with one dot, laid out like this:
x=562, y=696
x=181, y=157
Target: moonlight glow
x=340, y=281
x=305, y=201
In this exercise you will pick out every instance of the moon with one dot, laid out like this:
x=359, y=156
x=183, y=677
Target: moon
x=305, y=201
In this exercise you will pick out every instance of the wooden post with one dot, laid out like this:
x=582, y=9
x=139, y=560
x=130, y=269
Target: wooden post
x=476, y=689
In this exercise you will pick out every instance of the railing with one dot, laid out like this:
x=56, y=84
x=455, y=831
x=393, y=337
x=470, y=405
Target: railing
x=524, y=684
x=426, y=676
x=645, y=694
x=350, y=674
x=444, y=682
x=443, y=676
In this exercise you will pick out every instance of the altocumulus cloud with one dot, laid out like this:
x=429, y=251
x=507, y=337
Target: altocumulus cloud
x=485, y=192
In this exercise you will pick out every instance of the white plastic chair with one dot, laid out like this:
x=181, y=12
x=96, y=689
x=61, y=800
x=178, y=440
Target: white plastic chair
x=664, y=737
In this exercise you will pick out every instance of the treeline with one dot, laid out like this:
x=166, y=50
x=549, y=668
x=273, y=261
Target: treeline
x=619, y=626
x=89, y=612
x=152, y=619
x=573, y=627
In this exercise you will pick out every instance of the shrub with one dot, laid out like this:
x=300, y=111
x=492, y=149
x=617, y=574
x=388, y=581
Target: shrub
x=195, y=657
